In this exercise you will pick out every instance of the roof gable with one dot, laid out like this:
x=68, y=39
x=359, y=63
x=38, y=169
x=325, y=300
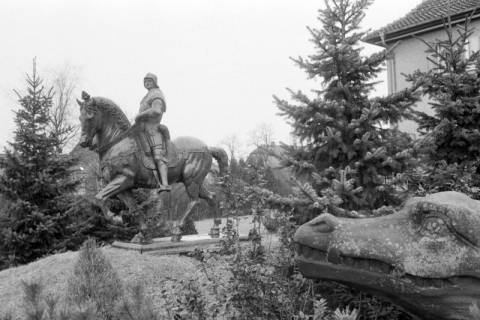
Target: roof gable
x=425, y=16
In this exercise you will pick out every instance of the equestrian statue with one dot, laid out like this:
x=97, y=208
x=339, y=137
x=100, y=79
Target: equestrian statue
x=143, y=156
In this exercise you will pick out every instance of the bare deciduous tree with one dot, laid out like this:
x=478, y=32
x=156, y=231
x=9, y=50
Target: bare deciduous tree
x=232, y=143
x=262, y=138
x=262, y=135
x=63, y=122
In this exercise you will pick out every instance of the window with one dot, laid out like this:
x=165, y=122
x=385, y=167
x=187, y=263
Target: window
x=468, y=50
x=391, y=74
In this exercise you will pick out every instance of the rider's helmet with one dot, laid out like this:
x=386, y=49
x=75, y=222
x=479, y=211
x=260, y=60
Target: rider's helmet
x=152, y=77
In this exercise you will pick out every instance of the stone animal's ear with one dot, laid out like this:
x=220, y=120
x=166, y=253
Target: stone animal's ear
x=85, y=96
x=80, y=103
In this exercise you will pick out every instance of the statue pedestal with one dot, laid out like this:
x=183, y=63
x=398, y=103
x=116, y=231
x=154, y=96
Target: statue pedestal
x=164, y=246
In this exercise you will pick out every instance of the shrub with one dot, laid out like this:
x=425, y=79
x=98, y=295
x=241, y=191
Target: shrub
x=94, y=292
x=86, y=220
x=229, y=241
x=428, y=178
x=94, y=281
x=270, y=220
x=135, y=305
x=37, y=306
x=34, y=310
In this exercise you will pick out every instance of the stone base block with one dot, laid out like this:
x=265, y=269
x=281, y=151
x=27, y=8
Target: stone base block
x=164, y=246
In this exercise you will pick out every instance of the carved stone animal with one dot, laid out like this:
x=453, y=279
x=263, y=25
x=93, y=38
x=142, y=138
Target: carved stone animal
x=425, y=258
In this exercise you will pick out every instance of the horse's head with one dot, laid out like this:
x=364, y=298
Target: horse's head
x=90, y=119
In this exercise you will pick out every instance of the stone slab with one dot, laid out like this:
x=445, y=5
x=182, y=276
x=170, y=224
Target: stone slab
x=164, y=246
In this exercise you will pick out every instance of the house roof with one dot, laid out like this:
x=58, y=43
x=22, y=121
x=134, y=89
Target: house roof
x=427, y=16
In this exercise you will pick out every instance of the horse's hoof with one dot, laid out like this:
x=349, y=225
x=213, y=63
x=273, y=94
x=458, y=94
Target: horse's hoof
x=176, y=233
x=118, y=220
x=140, y=239
x=137, y=238
x=214, y=232
x=164, y=188
x=176, y=238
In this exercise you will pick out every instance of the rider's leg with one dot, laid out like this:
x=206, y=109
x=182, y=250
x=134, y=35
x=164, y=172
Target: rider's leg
x=163, y=168
x=163, y=172
x=160, y=158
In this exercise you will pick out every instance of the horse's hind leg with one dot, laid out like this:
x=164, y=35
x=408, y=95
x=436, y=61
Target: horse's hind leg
x=188, y=211
x=211, y=199
x=193, y=190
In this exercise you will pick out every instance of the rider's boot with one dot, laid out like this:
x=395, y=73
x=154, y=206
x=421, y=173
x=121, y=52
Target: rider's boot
x=156, y=174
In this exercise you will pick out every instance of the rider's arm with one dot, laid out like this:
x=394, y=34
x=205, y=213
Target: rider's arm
x=156, y=110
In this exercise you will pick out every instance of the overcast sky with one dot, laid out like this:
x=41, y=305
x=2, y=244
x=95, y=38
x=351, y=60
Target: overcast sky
x=218, y=62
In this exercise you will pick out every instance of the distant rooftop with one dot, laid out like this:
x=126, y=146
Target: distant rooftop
x=427, y=16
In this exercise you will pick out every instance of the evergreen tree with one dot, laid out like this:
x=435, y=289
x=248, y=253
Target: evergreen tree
x=453, y=85
x=348, y=143
x=36, y=180
x=348, y=139
x=450, y=137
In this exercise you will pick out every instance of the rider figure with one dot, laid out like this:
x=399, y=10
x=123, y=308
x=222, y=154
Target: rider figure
x=150, y=114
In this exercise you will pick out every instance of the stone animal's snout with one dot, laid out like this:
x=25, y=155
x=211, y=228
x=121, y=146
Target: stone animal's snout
x=319, y=229
x=325, y=223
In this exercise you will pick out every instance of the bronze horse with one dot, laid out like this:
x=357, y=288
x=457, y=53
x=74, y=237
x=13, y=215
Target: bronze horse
x=125, y=165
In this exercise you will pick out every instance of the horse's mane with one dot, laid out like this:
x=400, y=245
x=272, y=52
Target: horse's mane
x=113, y=110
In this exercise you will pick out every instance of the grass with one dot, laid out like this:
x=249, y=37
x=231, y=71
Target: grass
x=54, y=271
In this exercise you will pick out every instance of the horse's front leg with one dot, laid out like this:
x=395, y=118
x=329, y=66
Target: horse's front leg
x=120, y=183
x=129, y=200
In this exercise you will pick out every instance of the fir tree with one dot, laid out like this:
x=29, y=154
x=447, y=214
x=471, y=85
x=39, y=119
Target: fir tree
x=449, y=143
x=349, y=139
x=348, y=146
x=450, y=136
x=36, y=180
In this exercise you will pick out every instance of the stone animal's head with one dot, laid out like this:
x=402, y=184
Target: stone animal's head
x=425, y=257
x=90, y=122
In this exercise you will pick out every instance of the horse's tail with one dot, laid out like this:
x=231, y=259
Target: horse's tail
x=222, y=158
